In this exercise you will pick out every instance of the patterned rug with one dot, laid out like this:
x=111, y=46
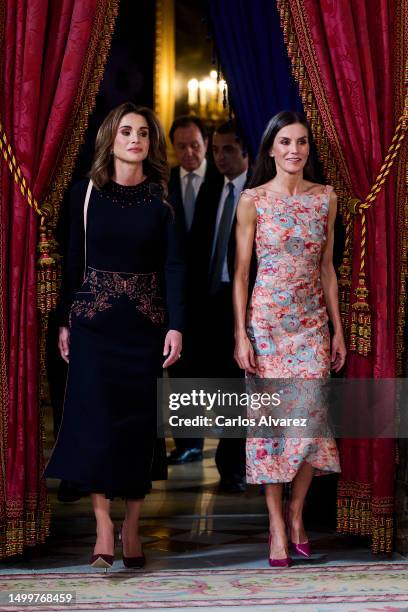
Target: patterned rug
x=366, y=587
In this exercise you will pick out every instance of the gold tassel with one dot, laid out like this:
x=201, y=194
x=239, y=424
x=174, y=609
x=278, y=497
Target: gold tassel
x=345, y=269
x=343, y=514
x=29, y=530
x=382, y=533
x=353, y=516
x=47, y=270
x=345, y=290
x=360, y=336
x=296, y=35
x=48, y=273
x=360, y=326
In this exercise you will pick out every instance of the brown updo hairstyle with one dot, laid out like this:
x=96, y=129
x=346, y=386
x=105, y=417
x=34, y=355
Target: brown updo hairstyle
x=155, y=166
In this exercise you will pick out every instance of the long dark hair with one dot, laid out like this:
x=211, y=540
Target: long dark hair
x=265, y=168
x=155, y=166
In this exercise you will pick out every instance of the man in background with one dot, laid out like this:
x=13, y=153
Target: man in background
x=231, y=160
x=193, y=188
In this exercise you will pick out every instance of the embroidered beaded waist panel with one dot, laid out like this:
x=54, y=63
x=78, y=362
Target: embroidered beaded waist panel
x=103, y=290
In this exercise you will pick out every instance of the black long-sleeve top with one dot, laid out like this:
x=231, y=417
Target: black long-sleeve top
x=129, y=229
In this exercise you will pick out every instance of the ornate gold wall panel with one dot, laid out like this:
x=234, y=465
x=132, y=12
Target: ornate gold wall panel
x=165, y=67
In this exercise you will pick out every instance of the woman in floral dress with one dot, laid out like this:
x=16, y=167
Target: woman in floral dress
x=283, y=332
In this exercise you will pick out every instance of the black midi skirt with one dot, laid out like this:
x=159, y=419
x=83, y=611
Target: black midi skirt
x=107, y=442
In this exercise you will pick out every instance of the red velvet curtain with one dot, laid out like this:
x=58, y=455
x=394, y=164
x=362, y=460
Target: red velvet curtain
x=52, y=56
x=347, y=50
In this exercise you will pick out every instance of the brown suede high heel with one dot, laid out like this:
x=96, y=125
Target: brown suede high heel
x=132, y=562
x=101, y=560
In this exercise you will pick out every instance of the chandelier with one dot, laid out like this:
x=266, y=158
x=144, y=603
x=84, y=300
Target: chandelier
x=208, y=97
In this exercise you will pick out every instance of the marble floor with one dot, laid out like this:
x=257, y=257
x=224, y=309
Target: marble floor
x=188, y=523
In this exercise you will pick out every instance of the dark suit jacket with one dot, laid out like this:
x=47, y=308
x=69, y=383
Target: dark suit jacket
x=232, y=243
x=197, y=249
x=218, y=324
x=198, y=241
x=209, y=319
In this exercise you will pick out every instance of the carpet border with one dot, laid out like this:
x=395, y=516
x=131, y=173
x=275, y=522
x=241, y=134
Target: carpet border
x=201, y=571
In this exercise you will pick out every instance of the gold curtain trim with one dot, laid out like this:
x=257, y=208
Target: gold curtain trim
x=92, y=73
x=360, y=336
x=401, y=60
x=358, y=330
x=317, y=108
x=355, y=517
x=16, y=172
x=381, y=531
x=33, y=526
x=4, y=396
x=49, y=264
x=403, y=259
x=30, y=530
x=399, y=135
x=99, y=44
x=4, y=387
x=336, y=172
x=358, y=513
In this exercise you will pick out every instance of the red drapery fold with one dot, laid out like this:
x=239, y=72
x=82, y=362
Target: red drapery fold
x=347, y=50
x=53, y=55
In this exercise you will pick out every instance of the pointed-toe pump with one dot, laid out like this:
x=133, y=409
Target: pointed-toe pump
x=285, y=562
x=132, y=562
x=303, y=549
x=102, y=561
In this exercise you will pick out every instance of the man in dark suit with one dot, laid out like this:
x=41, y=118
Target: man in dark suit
x=231, y=160
x=193, y=191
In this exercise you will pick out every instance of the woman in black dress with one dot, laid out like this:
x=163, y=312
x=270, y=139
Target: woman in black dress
x=123, y=310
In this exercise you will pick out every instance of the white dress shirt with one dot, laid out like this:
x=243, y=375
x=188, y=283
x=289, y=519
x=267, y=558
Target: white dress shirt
x=239, y=183
x=198, y=178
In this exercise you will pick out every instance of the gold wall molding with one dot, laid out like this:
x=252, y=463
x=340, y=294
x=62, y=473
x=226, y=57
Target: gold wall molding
x=165, y=67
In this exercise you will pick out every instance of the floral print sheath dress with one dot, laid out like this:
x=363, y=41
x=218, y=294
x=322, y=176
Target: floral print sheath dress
x=287, y=321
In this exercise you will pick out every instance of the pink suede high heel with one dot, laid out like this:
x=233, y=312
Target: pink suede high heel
x=285, y=562
x=303, y=549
